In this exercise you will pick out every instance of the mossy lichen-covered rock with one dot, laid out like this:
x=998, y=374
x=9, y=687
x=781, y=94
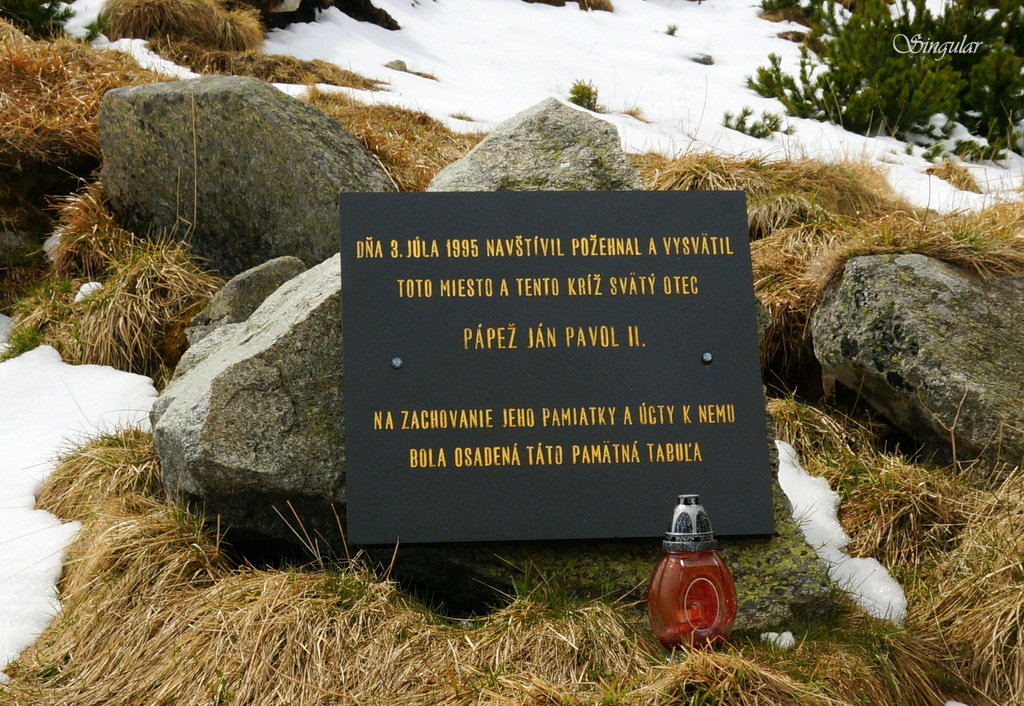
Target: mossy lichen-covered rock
x=242, y=171
x=935, y=349
x=549, y=147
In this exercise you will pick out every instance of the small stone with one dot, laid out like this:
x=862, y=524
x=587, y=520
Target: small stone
x=243, y=293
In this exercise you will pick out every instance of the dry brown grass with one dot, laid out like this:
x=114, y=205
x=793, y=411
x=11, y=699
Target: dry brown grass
x=902, y=513
x=979, y=595
x=988, y=242
x=637, y=113
x=793, y=266
x=780, y=194
x=153, y=612
x=206, y=23
x=727, y=678
x=956, y=174
x=602, y=5
x=136, y=321
x=191, y=629
x=51, y=94
x=11, y=34
x=274, y=68
x=411, y=146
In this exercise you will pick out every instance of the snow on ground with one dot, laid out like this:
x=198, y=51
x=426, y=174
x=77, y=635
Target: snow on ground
x=816, y=510
x=45, y=406
x=784, y=641
x=493, y=59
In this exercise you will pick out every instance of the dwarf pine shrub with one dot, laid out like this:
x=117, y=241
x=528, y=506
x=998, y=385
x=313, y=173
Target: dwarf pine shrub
x=584, y=94
x=40, y=19
x=887, y=73
x=766, y=126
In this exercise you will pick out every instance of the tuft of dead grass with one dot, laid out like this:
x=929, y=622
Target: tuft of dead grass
x=902, y=513
x=728, y=678
x=780, y=194
x=51, y=95
x=191, y=629
x=411, y=146
x=136, y=321
x=206, y=23
x=273, y=68
x=793, y=266
x=989, y=242
x=956, y=174
x=10, y=33
x=979, y=596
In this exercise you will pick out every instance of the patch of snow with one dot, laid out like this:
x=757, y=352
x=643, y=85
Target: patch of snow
x=85, y=13
x=139, y=50
x=51, y=243
x=45, y=406
x=784, y=641
x=5, y=330
x=86, y=289
x=816, y=509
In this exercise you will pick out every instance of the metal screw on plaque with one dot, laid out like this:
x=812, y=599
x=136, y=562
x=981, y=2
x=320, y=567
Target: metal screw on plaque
x=707, y=358
x=397, y=363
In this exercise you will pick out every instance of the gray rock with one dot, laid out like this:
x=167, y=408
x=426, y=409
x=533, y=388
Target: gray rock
x=16, y=246
x=251, y=424
x=547, y=147
x=764, y=320
x=233, y=165
x=935, y=349
x=243, y=293
x=397, y=65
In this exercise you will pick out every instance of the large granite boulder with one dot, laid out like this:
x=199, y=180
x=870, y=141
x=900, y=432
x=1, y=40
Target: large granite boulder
x=550, y=146
x=242, y=171
x=934, y=348
x=250, y=427
x=249, y=431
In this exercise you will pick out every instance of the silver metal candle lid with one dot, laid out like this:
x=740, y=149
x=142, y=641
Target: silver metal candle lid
x=691, y=529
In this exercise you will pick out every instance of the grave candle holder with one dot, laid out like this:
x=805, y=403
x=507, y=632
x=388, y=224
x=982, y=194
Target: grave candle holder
x=691, y=599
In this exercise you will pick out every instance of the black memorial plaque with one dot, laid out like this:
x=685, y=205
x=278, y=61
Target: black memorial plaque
x=541, y=365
